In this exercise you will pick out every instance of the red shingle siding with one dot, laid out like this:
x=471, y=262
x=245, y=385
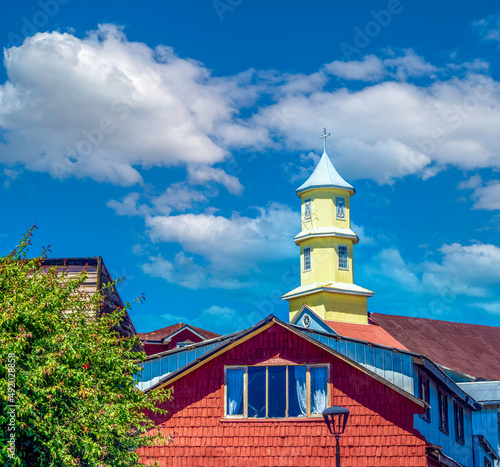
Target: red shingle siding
x=379, y=431
x=185, y=335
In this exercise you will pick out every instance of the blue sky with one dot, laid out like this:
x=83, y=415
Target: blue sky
x=169, y=138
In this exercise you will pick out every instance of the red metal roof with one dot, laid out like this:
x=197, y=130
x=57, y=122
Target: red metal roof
x=160, y=334
x=371, y=332
x=467, y=348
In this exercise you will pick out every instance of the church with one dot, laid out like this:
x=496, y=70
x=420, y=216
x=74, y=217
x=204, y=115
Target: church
x=417, y=392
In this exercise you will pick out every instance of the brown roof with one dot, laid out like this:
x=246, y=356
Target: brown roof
x=467, y=348
x=371, y=332
x=160, y=334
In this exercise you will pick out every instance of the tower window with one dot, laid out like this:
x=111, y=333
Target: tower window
x=340, y=207
x=343, y=257
x=307, y=210
x=307, y=258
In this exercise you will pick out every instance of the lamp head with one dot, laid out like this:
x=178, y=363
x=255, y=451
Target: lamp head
x=336, y=419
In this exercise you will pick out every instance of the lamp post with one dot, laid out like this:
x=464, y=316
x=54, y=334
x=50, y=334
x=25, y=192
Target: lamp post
x=336, y=420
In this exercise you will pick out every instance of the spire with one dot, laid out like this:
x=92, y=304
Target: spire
x=325, y=175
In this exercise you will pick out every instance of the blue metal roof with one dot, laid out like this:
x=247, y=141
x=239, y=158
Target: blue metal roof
x=483, y=391
x=325, y=175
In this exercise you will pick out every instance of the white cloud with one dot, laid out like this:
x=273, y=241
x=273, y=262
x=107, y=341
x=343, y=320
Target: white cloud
x=178, y=197
x=409, y=64
x=490, y=307
x=236, y=244
x=392, y=129
x=485, y=196
x=475, y=266
x=489, y=28
x=390, y=264
x=471, y=183
x=364, y=239
x=106, y=108
x=467, y=270
x=372, y=68
x=184, y=271
x=203, y=174
x=127, y=206
x=488, y=197
x=102, y=106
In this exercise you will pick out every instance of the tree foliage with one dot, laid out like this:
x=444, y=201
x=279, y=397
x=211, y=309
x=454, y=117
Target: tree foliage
x=74, y=402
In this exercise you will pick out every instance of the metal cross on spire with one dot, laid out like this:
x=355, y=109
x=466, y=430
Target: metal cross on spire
x=324, y=136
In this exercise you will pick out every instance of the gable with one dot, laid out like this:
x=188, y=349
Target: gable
x=379, y=431
x=316, y=323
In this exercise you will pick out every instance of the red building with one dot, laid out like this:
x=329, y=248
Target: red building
x=171, y=337
x=221, y=401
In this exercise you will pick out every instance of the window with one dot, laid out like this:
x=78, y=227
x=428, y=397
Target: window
x=443, y=411
x=307, y=258
x=487, y=462
x=343, y=257
x=340, y=207
x=182, y=344
x=280, y=391
x=307, y=210
x=459, y=423
x=424, y=394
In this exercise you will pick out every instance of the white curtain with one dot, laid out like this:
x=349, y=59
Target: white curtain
x=300, y=383
x=235, y=391
x=318, y=389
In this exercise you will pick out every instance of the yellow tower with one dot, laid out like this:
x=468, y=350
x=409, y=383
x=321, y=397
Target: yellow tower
x=326, y=249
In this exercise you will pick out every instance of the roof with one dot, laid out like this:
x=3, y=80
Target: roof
x=161, y=334
x=471, y=349
x=371, y=332
x=325, y=176
x=336, y=287
x=265, y=324
x=326, y=232
x=98, y=279
x=483, y=391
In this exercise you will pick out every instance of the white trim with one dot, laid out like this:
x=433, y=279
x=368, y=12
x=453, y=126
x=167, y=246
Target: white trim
x=245, y=392
x=330, y=232
x=324, y=288
x=186, y=326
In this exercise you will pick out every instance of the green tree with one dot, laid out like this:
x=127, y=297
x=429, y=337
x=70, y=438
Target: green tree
x=74, y=401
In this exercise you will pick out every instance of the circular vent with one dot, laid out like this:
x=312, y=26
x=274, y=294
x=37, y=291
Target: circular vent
x=306, y=321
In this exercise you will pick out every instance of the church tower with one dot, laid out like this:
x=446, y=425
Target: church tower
x=326, y=249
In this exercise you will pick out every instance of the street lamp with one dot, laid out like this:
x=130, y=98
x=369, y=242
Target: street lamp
x=336, y=420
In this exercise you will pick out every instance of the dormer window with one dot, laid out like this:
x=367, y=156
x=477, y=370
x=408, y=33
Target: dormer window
x=343, y=257
x=340, y=207
x=307, y=258
x=307, y=210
